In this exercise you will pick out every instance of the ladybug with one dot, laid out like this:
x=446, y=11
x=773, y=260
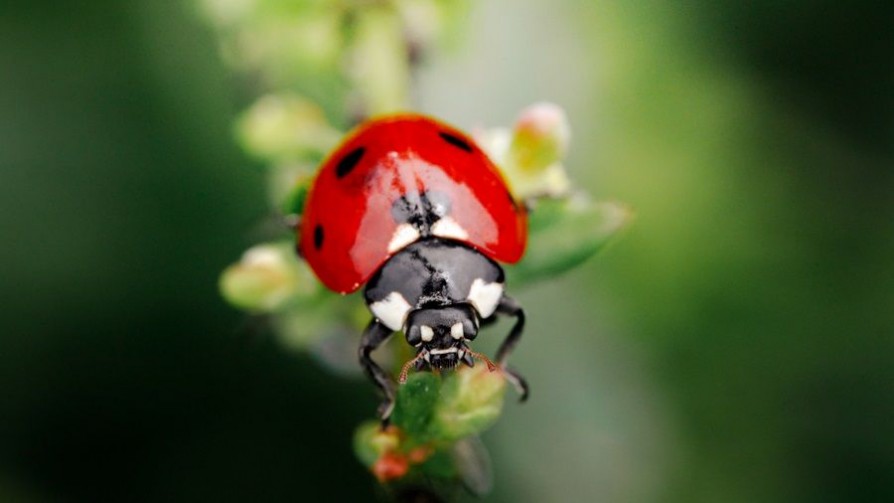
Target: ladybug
x=412, y=209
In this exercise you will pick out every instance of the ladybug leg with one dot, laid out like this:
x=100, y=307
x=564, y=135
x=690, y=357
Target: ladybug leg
x=511, y=307
x=518, y=382
x=374, y=335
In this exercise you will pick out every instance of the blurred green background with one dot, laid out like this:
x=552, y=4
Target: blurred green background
x=736, y=345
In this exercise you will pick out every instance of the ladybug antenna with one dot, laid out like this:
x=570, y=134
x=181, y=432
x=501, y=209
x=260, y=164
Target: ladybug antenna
x=491, y=366
x=406, y=368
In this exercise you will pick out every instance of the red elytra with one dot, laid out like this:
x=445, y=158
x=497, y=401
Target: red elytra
x=347, y=223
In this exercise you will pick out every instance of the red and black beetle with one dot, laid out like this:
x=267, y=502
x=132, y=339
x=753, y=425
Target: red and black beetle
x=414, y=210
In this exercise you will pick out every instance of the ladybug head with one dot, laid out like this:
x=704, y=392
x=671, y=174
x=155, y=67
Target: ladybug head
x=440, y=334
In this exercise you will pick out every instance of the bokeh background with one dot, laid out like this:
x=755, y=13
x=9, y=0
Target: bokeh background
x=736, y=345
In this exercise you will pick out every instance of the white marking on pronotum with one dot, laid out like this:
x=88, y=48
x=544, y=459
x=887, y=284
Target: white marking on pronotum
x=403, y=235
x=448, y=228
x=456, y=331
x=427, y=333
x=485, y=296
x=391, y=311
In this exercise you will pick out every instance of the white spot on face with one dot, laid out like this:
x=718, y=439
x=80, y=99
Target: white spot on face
x=485, y=296
x=391, y=311
x=456, y=331
x=404, y=234
x=427, y=333
x=448, y=228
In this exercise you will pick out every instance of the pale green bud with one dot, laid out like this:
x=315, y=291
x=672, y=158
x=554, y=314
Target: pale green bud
x=525, y=183
x=285, y=126
x=530, y=155
x=540, y=137
x=266, y=278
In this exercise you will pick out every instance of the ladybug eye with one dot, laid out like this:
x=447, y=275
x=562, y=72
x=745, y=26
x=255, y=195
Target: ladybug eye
x=456, y=141
x=413, y=335
x=349, y=162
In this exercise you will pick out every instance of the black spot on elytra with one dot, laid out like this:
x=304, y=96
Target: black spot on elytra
x=456, y=141
x=349, y=162
x=318, y=236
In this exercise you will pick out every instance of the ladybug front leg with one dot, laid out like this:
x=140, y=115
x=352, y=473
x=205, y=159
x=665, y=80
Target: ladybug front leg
x=375, y=334
x=511, y=307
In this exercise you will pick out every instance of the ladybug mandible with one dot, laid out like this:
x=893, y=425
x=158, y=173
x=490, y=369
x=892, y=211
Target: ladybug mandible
x=414, y=210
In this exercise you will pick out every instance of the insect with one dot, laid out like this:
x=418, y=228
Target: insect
x=415, y=211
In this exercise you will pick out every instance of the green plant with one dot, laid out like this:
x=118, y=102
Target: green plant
x=321, y=67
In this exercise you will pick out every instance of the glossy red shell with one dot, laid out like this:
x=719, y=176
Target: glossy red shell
x=347, y=224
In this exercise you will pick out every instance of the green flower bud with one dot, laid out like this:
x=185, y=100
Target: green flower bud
x=540, y=137
x=371, y=441
x=266, y=278
x=530, y=155
x=471, y=401
x=495, y=143
x=282, y=127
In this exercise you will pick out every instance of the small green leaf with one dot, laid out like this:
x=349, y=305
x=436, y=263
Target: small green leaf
x=473, y=465
x=416, y=400
x=471, y=401
x=563, y=234
x=440, y=464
